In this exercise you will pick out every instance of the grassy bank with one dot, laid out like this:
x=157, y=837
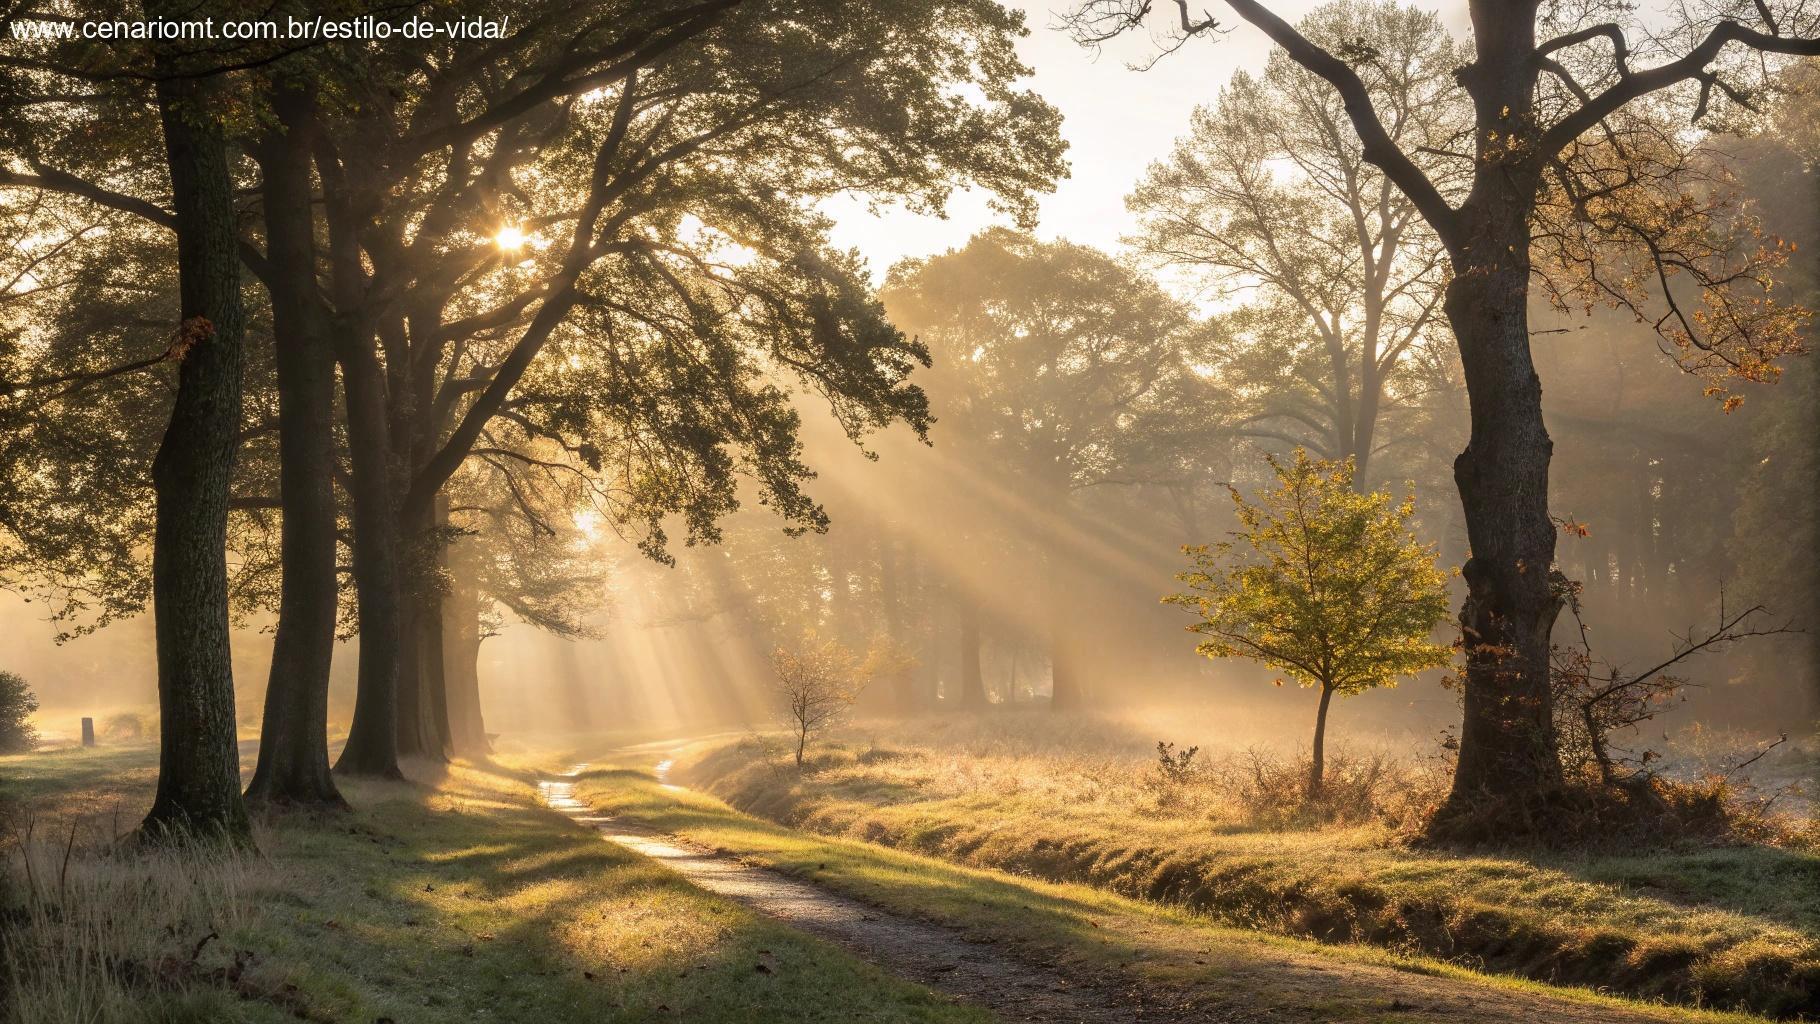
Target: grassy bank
x=1165, y=955
x=1735, y=926
x=453, y=898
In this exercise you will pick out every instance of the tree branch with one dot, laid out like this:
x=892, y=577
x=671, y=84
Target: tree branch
x=1379, y=149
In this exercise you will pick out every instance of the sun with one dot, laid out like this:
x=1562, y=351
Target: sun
x=510, y=238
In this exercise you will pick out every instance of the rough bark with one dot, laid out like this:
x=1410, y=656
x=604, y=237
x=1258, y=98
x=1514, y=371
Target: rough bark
x=1507, y=739
x=372, y=747
x=1507, y=742
x=199, y=758
x=293, y=763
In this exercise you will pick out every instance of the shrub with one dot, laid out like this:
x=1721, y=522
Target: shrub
x=17, y=703
x=1270, y=790
x=127, y=727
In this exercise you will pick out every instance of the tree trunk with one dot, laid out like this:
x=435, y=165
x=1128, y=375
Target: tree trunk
x=1064, y=682
x=372, y=747
x=903, y=700
x=293, y=742
x=1064, y=673
x=972, y=693
x=461, y=653
x=199, y=757
x=1318, y=767
x=1507, y=740
x=423, y=713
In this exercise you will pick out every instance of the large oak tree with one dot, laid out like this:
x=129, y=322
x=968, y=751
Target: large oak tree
x=1557, y=158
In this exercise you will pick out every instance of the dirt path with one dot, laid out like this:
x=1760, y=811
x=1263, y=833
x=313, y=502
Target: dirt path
x=923, y=952
x=1261, y=984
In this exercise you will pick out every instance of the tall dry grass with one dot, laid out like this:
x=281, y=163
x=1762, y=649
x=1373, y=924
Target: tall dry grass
x=98, y=929
x=1718, y=911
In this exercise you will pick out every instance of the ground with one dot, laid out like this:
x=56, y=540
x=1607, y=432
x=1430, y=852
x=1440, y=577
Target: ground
x=460, y=896
x=1735, y=924
x=456, y=897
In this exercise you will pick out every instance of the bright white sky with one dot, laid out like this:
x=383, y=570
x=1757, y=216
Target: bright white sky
x=1116, y=120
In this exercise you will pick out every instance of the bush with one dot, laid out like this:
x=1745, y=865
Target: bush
x=128, y=727
x=17, y=703
x=1588, y=814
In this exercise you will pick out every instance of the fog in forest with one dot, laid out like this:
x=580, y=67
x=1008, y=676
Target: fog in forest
x=909, y=510
x=925, y=535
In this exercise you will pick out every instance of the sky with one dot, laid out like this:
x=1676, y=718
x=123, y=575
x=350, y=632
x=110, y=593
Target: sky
x=1117, y=121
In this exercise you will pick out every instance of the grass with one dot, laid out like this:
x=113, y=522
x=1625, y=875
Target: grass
x=454, y=898
x=1730, y=926
x=1088, y=932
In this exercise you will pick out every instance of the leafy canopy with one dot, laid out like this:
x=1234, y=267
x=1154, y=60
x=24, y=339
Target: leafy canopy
x=1323, y=583
x=1055, y=360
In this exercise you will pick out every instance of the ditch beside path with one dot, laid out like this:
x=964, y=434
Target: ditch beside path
x=1263, y=983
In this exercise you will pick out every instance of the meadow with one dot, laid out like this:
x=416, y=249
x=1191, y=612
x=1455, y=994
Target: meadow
x=1731, y=921
x=455, y=896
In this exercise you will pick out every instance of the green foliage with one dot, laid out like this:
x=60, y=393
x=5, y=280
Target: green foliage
x=17, y=703
x=1322, y=583
x=705, y=308
x=1060, y=364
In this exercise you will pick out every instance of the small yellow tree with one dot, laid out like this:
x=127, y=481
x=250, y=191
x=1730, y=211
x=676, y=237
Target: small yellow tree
x=1323, y=583
x=817, y=682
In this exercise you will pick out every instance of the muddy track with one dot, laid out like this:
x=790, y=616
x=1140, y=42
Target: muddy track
x=1301, y=987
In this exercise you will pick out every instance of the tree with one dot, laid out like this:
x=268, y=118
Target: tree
x=627, y=150
x=1565, y=163
x=817, y=682
x=674, y=263
x=1323, y=583
x=199, y=751
x=1264, y=197
x=1060, y=370
x=1595, y=699
x=17, y=704
x=293, y=765
x=514, y=544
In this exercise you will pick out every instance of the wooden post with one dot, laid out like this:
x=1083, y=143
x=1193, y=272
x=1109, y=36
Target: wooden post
x=88, y=732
